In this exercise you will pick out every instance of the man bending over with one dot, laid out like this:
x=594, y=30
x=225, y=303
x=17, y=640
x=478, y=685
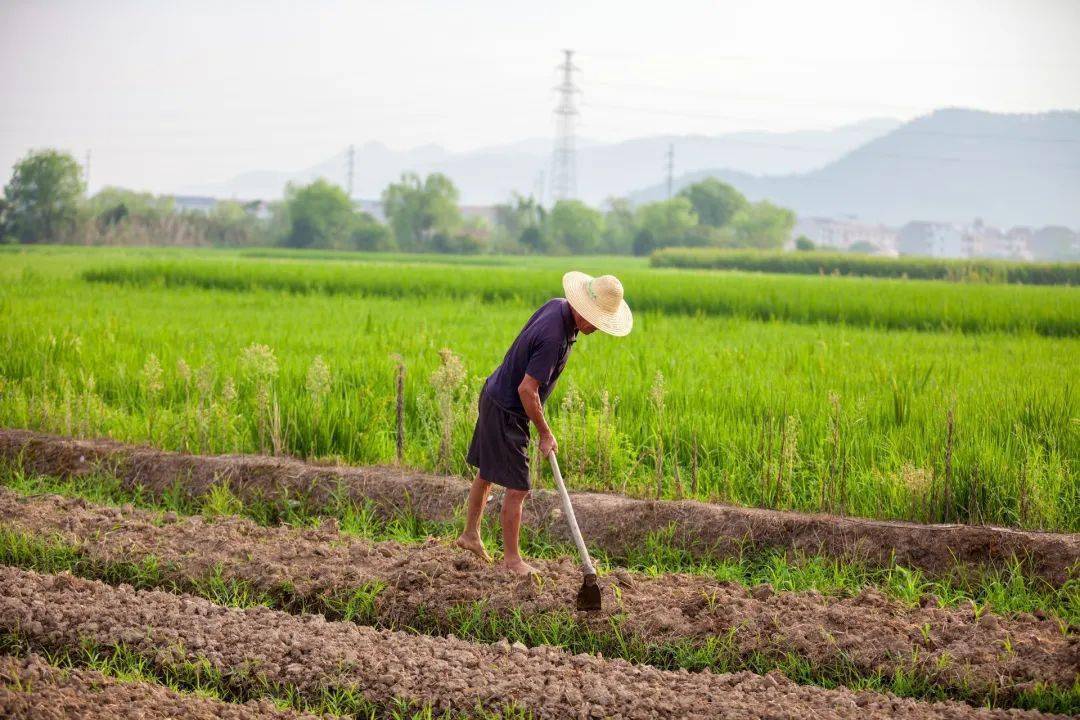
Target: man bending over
x=515, y=394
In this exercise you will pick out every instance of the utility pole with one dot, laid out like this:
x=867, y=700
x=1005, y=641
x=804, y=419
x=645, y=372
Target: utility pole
x=564, y=161
x=352, y=159
x=670, y=167
x=86, y=172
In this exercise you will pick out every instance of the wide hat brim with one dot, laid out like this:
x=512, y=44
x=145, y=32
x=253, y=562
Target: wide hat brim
x=576, y=287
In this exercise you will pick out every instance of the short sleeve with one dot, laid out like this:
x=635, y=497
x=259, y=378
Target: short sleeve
x=542, y=361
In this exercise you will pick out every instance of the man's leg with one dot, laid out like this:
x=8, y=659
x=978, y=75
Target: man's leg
x=474, y=512
x=511, y=527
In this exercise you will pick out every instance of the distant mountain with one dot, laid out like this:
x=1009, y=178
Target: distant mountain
x=489, y=175
x=950, y=166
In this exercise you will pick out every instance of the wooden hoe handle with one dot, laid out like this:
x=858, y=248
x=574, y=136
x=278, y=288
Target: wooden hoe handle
x=568, y=509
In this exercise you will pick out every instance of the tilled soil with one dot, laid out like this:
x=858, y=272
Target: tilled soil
x=309, y=653
x=32, y=689
x=424, y=583
x=613, y=523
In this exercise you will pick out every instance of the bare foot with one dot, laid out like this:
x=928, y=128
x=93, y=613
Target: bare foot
x=519, y=567
x=473, y=544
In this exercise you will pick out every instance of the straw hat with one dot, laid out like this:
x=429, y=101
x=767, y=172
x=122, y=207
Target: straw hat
x=600, y=301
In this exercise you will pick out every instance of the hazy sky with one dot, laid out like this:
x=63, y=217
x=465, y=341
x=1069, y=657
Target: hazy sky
x=171, y=93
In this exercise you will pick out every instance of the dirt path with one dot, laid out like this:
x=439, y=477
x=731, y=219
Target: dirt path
x=612, y=523
x=308, y=653
x=424, y=584
x=31, y=689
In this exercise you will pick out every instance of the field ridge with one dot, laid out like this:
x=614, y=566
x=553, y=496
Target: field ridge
x=433, y=588
x=612, y=523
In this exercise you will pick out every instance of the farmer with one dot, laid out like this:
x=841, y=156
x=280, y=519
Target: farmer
x=515, y=393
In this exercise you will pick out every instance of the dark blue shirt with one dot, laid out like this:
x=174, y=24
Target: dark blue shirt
x=540, y=350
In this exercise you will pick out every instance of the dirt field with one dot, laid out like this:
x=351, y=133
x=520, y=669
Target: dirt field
x=425, y=583
x=31, y=689
x=307, y=653
x=612, y=523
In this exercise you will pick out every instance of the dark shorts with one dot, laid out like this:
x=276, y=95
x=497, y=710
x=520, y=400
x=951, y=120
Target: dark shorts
x=499, y=447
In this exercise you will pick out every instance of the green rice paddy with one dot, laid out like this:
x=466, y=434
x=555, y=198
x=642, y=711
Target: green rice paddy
x=928, y=401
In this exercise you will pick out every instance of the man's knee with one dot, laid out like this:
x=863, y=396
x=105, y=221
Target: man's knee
x=516, y=497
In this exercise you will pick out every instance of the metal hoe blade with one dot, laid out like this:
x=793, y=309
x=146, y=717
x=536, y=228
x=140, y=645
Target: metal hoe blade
x=588, y=597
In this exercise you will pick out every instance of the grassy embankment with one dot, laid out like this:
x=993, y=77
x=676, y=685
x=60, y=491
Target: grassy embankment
x=836, y=263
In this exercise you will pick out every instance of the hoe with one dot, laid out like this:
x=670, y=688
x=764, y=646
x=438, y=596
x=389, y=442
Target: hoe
x=588, y=597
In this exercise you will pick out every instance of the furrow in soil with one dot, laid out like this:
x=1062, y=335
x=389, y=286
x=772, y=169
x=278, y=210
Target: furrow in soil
x=309, y=654
x=423, y=585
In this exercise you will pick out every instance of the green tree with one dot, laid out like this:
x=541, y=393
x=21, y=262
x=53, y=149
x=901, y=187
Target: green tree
x=575, y=226
x=644, y=242
x=420, y=210
x=863, y=247
x=320, y=215
x=473, y=237
x=515, y=222
x=620, y=227
x=532, y=239
x=111, y=205
x=517, y=214
x=42, y=199
x=4, y=237
x=231, y=224
x=763, y=225
x=668, y=222
x=714, y=202
x=804, y=243
x=368, y=234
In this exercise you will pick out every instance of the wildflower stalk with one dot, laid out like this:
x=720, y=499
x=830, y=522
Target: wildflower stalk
x=399, y=407
x=657, y=394
x=259, y=366
x=318, y=383
x=447, y=379
x=153, y=384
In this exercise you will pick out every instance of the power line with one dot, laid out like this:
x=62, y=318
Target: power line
x=804, y=60
x=771, y=100
x=564, y=161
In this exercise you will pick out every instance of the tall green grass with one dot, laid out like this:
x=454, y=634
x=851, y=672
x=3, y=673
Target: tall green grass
x=892, y=304
x=834, y=263
x=928, y=426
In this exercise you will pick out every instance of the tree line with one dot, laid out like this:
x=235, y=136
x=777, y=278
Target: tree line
x=45, y=202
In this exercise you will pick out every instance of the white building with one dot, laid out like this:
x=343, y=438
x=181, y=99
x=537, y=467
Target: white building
x=943, y=240
x=844, y=234
x=989, y=242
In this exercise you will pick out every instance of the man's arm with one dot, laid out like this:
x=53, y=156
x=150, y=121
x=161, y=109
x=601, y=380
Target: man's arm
x=529, y=392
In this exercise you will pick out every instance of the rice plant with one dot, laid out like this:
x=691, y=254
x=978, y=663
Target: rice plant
x=796, y=413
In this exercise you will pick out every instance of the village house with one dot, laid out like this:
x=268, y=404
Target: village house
x=846, y=234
